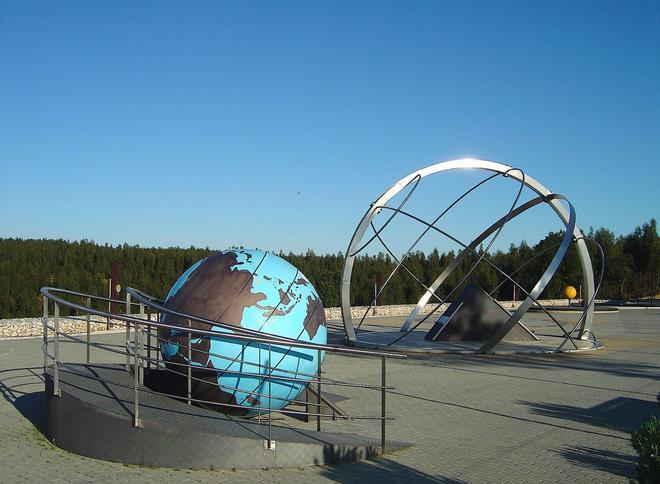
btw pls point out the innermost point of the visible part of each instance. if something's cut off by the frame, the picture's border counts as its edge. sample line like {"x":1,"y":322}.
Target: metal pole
{"x":141,"y":344}
{"x":260,"y":401}
{"x":136,"y":375}
{"x":108,"y":324}
{"x":45,"y":323}
{"x":189,"y":364}
{"x":149,"y":328}
{"x":89,"y":317}
{"x":382,"y":405}
{"x":157,"y":340}
{"x":140,"y":353}
{"x":56,"y":350}
{"x":128,"y":332}
{"x":318,"y":394}
{"x":269,"y":396}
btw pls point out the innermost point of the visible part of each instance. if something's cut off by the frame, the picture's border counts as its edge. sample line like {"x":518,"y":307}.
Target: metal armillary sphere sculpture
{"x":560,"y":205}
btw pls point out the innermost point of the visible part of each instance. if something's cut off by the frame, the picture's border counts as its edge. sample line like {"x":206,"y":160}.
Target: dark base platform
{"x":475,"y":316}
{"x":94,"y":417}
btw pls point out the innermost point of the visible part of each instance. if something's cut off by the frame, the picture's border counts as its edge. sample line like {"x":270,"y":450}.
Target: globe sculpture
{"x":250,"y":290}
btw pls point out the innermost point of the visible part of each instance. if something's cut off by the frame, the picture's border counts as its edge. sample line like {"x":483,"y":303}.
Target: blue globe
{"x":249,"y":289}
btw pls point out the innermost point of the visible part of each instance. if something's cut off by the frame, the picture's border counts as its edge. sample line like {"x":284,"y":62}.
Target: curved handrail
{"x":139,"y":357}
{"x":239,"y":333}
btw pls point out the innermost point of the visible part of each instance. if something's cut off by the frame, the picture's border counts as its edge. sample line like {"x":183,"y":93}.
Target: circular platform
{"x":381,"y":333}
{"x":93,"y":416}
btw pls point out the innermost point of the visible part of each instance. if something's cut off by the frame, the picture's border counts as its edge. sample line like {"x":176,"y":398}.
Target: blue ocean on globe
{"x":259,"y":291}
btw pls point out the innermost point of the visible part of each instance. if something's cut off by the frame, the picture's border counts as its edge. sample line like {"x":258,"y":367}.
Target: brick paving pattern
{"x":554,"y":418}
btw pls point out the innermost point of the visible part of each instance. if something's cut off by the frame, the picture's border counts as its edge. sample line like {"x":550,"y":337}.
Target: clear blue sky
{"x":197,"y":123}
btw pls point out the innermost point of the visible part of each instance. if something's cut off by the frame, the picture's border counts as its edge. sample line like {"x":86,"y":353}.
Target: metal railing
{"x":142,"y":351}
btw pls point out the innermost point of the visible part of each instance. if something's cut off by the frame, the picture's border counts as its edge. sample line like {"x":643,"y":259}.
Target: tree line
{"x":632,"y":269}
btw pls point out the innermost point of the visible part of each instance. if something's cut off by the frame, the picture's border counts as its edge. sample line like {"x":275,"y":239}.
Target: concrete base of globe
{"x":93,"y":416}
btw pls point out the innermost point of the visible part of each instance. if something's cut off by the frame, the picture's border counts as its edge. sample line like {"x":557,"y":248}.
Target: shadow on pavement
{"x":19,"y":386}
{"x":505,"y":415}
{"x":602,"y":460}
{"x":380,"y":470}
{"x":502,"y":366}
{"x":621,"y":413}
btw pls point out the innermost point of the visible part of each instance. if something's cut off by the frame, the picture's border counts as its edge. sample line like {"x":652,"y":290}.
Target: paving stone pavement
{"x":553,"y":418}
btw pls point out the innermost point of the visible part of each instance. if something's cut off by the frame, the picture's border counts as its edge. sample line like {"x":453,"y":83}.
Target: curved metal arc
{"x":525,"y":264}
{"x":399,"y":264}
{"x":497,"y":231}
{"x":463,"y":254}
{"x":369,"y":215}
{"x":591,"y":301}
{"x":382,"y":200}
{"x":530,"y":182}
{"x":416,"y":179}
{"x":470,"y":250}
{"x":542,"y":282}
{"x":414,"y":244}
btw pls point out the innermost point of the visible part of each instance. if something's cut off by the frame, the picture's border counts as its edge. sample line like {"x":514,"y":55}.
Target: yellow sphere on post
{"x":570,"y":292}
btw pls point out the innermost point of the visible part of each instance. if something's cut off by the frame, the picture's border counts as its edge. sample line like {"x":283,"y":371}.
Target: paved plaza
{"x":470,"y":418}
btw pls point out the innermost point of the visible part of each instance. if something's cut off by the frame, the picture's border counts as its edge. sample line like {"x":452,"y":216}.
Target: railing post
{"x":260,"y":396}
{"x":270,"y":374}
{"x":382,"y":404}
{"x":157,"y":340}
{"x":108,"y":323}
{"x":45,"y":323}
{"x":149,"y":329}
{"x":140,"y":343}
{"x":56,"y":352}
{"x":189,"y":363}
{"x":128,"y":333}
{"x":136,"y":376}
{"x":89,"y":317}
{"x":318,"y":395}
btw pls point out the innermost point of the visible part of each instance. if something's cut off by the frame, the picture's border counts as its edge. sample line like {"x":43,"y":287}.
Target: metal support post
{"x":89,"y":317}
{"x":382,"y":405}
{"x":128,"y":333}
{"x":271,"y":445}
{"x":149,"y":338}
{"x":45,"y":342}
{"x":318,"y":394}
{"x":141,"y":345}
{"x":136,"y":374}
{"x":108,"y":323}
{"x":260,"y":397}
{"x":56,"y":352}
{"x":158,"y":353}
{"x":189,"y":363}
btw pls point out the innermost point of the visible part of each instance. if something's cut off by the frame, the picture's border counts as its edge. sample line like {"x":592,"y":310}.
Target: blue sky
{"x":275,"y":124}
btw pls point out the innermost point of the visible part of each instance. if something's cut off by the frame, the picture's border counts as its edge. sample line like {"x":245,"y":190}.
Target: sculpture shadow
{"x":510,"y":366}
{"x":14,"y":387}
{"x":621,"y":413}
{"x":603,"y":460}
{"x":380,"y":469}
